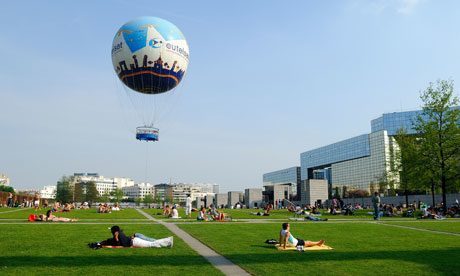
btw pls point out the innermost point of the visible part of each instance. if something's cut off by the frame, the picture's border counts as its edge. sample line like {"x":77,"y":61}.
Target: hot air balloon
{"x":150,"y":57}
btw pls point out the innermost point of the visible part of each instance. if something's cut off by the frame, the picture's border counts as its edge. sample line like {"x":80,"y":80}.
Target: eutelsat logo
{"x":155,"y":43}
{"x":117,"y":48}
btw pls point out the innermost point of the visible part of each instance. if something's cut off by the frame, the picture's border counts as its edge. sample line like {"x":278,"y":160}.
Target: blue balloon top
{"x":135,"y":31}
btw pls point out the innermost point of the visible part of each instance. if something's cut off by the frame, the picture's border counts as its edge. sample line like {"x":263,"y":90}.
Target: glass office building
{"x":285,"y":176}
{"x":393,"y":122}
{"x":362,"y":161}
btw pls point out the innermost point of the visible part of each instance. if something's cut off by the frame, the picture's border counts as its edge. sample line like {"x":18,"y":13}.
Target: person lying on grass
{"x":287,"y":238}
{"x":119,"y":239}
{"x":50,"y":217}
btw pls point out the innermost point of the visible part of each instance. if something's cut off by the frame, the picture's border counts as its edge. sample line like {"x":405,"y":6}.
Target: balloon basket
{"x":146,"y":133}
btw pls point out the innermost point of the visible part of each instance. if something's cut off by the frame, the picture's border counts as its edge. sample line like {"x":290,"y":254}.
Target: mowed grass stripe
{"x":55,"y":249}
{"x":359,"y":248}
{"x":447,"y":226}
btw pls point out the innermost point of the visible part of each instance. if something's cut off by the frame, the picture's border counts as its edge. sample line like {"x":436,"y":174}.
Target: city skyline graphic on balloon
{"x":150,"y":55}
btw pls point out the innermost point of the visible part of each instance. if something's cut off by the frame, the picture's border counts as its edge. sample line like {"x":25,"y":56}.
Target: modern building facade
{"x":139,"y":190}
{"x":234,"y":198}
{"x":290,"y":176}
{"x":314,"y":191}
{"x":104,"y":185}
{"x":163,"y":192}
{"x":48,"y":192}
{"x":276,"y":194}
{"x":221,"y":200}
{"x":363,"y":161}
{"x":177,"y":192}
{"x":253,"y":198}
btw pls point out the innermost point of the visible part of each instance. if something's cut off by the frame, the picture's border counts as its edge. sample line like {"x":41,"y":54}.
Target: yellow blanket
{"x":316,"y":247}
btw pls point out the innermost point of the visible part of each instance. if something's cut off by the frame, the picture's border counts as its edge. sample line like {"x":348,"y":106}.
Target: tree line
{"x":70,"y":191}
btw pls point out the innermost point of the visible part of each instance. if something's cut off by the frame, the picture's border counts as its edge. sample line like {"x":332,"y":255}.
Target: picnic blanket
{"x":310,"y":248}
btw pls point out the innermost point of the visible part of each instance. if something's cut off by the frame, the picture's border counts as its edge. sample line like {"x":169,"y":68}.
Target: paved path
{"x":220,"y":262}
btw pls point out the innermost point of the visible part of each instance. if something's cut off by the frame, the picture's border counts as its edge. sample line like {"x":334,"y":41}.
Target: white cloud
{"x":376,"y":7}
{"x":407,"y":6}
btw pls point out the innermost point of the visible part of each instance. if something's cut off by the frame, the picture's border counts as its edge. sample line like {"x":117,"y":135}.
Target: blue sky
{"x":266,"y":81}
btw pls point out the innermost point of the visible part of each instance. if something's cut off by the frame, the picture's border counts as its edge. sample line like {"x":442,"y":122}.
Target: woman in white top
{"x":202,"y":214}
{"x":174,"y":213}
{"x":287,"y":237}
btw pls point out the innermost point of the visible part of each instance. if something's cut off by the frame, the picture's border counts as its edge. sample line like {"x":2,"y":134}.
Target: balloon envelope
{"x":150,"y":55}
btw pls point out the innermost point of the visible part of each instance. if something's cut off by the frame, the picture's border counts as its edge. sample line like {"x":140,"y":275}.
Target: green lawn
{"x":62,"y":249}
{"x":359,"y":248}
{"x":9,"y":210}
{"x":78,"y":214}
{"x":449,"y":225}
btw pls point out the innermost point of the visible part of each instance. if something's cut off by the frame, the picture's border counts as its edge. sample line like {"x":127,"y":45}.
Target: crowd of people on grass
{"x":106,"y":208}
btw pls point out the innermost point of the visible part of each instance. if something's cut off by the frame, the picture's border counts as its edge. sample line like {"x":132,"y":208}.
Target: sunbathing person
{"x":50,"y":217}
{"x":119,"y":239}
{"x":287,"y":238}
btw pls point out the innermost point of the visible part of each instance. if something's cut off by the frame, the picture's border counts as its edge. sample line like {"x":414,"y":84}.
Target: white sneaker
{"x":171,"y":242}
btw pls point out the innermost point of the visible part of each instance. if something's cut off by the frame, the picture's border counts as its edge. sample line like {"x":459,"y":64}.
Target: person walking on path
{"x":376,"y":203}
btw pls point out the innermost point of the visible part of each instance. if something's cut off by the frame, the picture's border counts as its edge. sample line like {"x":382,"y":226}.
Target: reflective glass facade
{"x":361,"y":161}
{"x":360,"y":173}
{"x":289,"y":175}
{"x":349,"y":149}
{"x":393,"y":122}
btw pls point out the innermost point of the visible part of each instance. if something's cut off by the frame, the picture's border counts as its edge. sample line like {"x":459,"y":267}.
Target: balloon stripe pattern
{"x":150,"y":55}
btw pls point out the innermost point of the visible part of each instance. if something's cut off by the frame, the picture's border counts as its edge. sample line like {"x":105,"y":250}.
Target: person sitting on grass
{"x":174,"y":213}
{"x":84,"y":205}
{"x":119,"y":239}
{"x":202,"y":215}
{"x":287,"y":238}
{"x":216,"y":215}
{"x":116,"y":207}
{"x":166,"y":211}
{"x":50,"y":217}
{"x":56,"y":206}
{"x":66,"y":208}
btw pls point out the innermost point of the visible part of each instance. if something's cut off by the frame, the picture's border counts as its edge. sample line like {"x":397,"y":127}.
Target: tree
{"x":358,"y":193}
{"x":148,"y":199}
{"x":105,"y":197}
{"x":439,"y":131}
{"x":344,"y":191}
{"x":91,"y":192}
{"x":78,"y":193}
{"x":138,"y":201}
{"x":158,"y":198}
{"x":7,"y":189}
{"x":336,"y":192}
{"x":64,"y":190}
{"x":117,"y":195}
